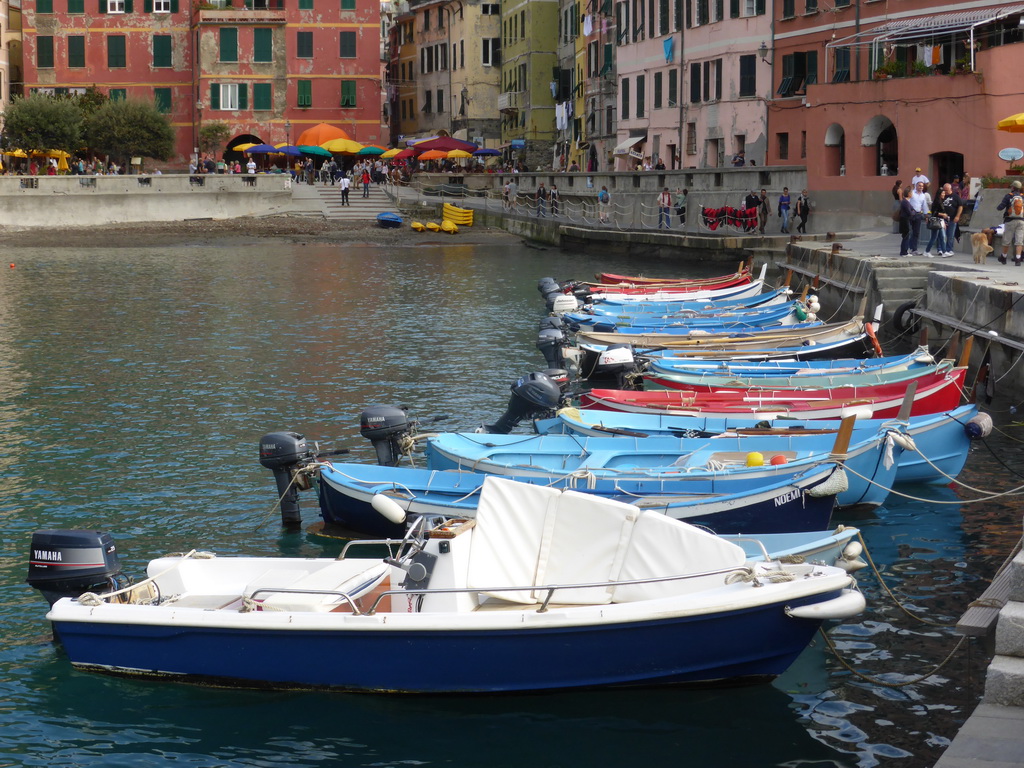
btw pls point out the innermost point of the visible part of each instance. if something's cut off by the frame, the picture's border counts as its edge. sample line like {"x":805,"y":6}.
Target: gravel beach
{"x":302,"y":229}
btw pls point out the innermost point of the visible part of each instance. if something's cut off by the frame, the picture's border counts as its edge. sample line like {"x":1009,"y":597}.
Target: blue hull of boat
{"x":678,"y":650}
{"x":757,"y":505}
{"x":389,"y":220}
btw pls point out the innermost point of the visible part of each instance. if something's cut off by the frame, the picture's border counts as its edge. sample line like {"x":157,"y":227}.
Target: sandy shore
{"x":305,"y":229}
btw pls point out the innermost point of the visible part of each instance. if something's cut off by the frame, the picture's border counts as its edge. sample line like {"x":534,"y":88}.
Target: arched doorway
{"x":880,"y":134}
{"x":835,"y":151}
{"x":946,"y":165}
{"x":231,"y":155}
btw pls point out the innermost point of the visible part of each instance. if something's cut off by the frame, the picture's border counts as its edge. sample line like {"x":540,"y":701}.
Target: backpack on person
{"x":602,"y":196}
{"x":1015,"y":209}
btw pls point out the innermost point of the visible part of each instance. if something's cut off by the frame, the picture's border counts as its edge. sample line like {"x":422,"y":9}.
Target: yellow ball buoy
{"x":755,"y":459}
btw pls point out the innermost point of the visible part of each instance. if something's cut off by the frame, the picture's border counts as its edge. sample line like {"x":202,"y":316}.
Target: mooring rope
{"x":885,"y":683}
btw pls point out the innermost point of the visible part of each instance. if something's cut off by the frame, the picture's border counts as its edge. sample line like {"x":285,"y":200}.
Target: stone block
{"x":1010,"y":630}
{"x":1004,"y":684}
{"x":1015,"y":573}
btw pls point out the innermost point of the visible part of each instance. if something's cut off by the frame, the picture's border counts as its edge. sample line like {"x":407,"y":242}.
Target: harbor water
{"x":135,"y":384}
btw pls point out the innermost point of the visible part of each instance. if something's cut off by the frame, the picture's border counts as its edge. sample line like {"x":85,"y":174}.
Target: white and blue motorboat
{"x":935,"y":448}
{"x":766,"y":299}
{"x":872,"y":461}
{"x":800,"y":500}
{"x":543,"y":590}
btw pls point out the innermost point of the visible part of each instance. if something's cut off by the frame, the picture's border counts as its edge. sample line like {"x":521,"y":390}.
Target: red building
{"x":258,"y":66}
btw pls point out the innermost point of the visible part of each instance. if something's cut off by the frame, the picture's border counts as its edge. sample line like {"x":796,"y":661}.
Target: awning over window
{"x":924,"y":27}
{"x":623,"y":147}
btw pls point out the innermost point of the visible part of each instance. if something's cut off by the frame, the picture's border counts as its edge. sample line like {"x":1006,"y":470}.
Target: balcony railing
{"x":239,"y":12}
{"x":511,"y":101}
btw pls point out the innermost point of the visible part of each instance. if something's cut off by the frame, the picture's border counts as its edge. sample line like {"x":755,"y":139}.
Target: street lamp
{"x":763,"y":53}
{"x":199,"y":126}
{"x":288,"y":131}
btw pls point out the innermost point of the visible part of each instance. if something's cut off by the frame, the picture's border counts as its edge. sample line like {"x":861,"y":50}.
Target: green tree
{"x":129,"y":128}
{"x":213,"y":136}
{"x":91,"y":100}
{"x":43,"y":122}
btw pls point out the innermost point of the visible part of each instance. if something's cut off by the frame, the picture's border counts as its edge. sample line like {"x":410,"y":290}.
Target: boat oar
{"x":908,"y":403}
{"x":954,"y":345}
{"x":842,"y":444}
{"x":923,"y":341}
{"x":617,"y":431}
{"x":965,"y":355}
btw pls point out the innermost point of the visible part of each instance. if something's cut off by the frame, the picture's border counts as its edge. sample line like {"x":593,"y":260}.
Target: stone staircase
{"x":896,"y":285}
{"x":328,"y":199}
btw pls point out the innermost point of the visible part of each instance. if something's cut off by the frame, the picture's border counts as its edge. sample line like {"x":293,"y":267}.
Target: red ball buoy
{"x":778,"y":459}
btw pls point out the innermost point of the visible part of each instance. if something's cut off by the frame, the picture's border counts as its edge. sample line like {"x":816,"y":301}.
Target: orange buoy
{"x":778,"y":459}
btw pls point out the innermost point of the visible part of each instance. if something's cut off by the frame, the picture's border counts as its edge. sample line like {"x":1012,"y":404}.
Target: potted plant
{"x":920,"y":68}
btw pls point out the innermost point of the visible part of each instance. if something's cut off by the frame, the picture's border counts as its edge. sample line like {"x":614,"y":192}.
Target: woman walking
{"x":906,"y":215}
{"x":803,"y":210}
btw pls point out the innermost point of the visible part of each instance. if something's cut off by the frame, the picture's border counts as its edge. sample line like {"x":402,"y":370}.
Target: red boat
{"x":682,"y":286}
{"x":936,"y":395}
{"x":737,"y":278}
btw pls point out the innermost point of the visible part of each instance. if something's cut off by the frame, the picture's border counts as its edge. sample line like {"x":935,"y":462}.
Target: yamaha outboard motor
{"x":63,"y":563}
{"x":384,"y":426}
{"x":532,"y":395}
{"x":283,"y":453}
{"x":615,"y":364}
{"x":550,"y":343}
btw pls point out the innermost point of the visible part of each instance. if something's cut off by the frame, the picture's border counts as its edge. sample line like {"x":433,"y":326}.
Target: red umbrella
{"x":446,"y":144}
{"x":405,"y":153}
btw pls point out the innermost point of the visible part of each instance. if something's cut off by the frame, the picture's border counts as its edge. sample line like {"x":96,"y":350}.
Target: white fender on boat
{"x":388,"y":507}
{"x":849,"y":603}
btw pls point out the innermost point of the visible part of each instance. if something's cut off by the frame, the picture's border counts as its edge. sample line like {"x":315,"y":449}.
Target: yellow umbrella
{"x":1012,"y":124}
{"x":16,"y":153}
{"x":390,"y":153}
{"x":243,"y":147}
{"x":342,"y":146}
{"x":456,"y":154}
{"x":58,"y":153}
{"x":62,"y":162}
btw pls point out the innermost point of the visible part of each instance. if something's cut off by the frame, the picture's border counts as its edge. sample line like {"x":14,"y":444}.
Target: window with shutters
{"x":164,"y":6}
{"x":76,"y":51}
{"x":228,"y":44}
{"x":658,"y":78}
{"x":811,"y":6}
{"x":76,"y":7}
{"x":663,"y":17}
{"x":348,"y":5}
{"x":695,"y":83}
{"x":641,"y":95}
{"x":263,"y":45}
{"x":782,"y":139}
{"x":162,"y":100}
{"x":304,"y":44}
{"x":691,"y":138}
{"x":348,"y":44}
{"x":116,"y":52}
{"x":305,"y":93}
{"x":673,"y":87}
{"x":622,"y":23}
{"x":348,"y":93}
{"x":748,"y":75}
{"x":44,"y":6}
{"x":440,"y":100}
{"x":811,"y":67}
{"x":262,"y":97}
{"x":114,"y":6}
{"x":44,"y":52}
{"x":161,"y":50}
{"x":624,"y":109}
{"x":841,"y":73}
{"x":788,"y":9}
{"x":491,"y":52}
{"x":117,"y":94}
{"x":428,"y":96}
{"x":305,"y":5}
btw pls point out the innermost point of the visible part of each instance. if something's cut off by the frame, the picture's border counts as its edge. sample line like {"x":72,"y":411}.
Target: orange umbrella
{"x":320,"y":134}
{"x":433,"y":154}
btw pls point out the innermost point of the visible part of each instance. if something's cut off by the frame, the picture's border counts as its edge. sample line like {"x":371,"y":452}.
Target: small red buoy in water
{"x":12,"y":265}
{"x":778,"y":459}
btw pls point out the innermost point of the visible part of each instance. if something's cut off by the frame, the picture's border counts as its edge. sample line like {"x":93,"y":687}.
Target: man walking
{"x":1013,"y":229}
{"x":665,"y":209}
{"x":345,"y":183}
{"x":542,"y":200}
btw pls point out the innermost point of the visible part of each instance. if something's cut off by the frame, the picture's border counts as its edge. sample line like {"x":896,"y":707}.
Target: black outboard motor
{"x":384,"y":426}
{"x":546,"y":285}
{"x":64,"y":563}
{"x":560,"y":376}
{"x":532,"y":395}
{"x":283,"y":453}
{"x":550,"y":343}
{"x":616,"y":364}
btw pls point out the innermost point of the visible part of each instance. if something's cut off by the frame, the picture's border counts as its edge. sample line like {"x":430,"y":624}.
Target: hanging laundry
{"x":669,"y":49}
{"x":588,"y":25}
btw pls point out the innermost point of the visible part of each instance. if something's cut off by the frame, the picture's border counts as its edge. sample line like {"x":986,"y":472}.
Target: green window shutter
{"x":348,"y":93}
{"x":162,"y":99}
{"x":76,"y":51}
{"x":147,"y":6}
{"x":174,"y":6}
{"x":228,"y":44}
{"x":304,"y":44}
{"x":44,"y":6}
{"x":76,"y":6}
{"x":116,"y":52}
{"x":348,"y":44}
{"x":102,"y":6}
{"x":263,"y":44}
{"x":44,"y":52}
{"x":305,"y":5}
{"x":128,"y":7}
{"x":161,"y":50}
{"x":118,"y":94}
{"x":348,"y":5}
{"x":262,"y":97}
{"x":305,"y":91}
{"x":214,"y":96}
{"x":243,"y":96}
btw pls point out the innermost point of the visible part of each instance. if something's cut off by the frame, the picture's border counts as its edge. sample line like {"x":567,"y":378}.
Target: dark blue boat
{"x":389,"y":220}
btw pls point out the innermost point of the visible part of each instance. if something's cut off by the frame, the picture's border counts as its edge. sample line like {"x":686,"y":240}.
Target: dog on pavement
{"x":980,"y":246}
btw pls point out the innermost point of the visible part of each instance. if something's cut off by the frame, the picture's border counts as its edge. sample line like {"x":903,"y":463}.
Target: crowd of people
{"x":915,"y":207}
{"x":787,"y":209}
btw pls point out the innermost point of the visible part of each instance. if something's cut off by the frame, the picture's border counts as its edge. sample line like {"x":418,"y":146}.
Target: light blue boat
{"x":940,"y":442}
{"x":872,"y":461}
{"x":782,"y":314}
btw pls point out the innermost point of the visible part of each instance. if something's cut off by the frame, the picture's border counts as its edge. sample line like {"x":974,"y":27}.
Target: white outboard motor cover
{"x":564,"y":303}
{"x":616,"y":356}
